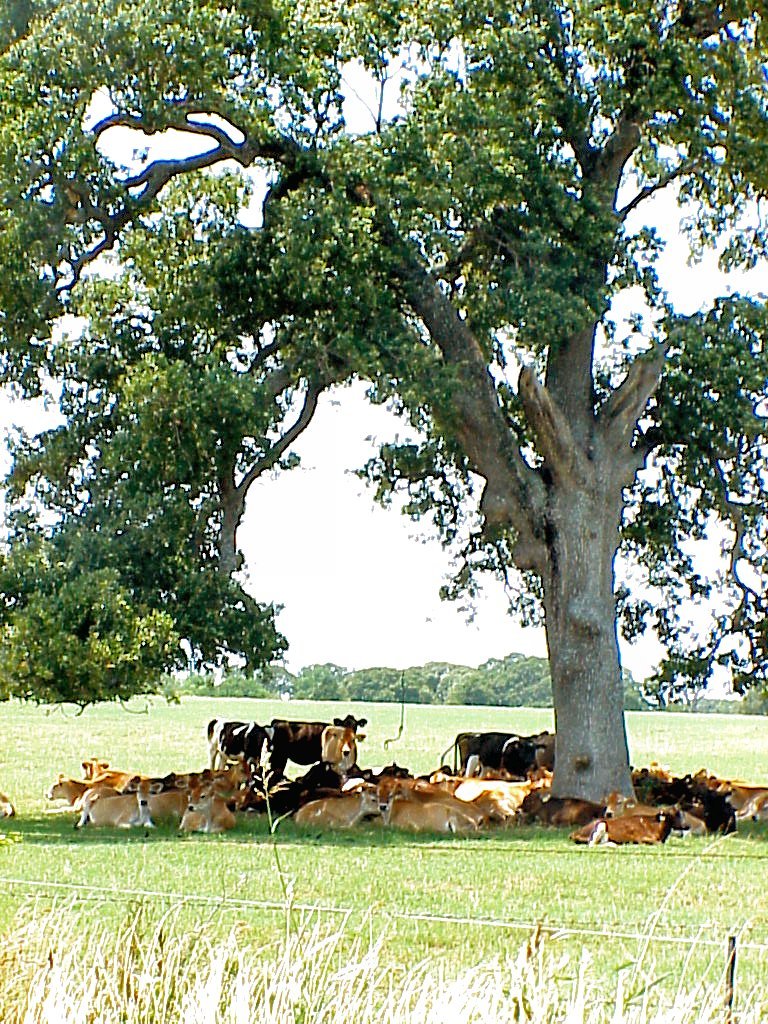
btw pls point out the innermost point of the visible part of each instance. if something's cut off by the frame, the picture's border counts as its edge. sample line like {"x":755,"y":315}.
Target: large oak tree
{"x":482,"y":251}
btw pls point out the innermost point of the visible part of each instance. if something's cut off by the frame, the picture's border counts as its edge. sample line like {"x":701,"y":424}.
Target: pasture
{"x":456,"y":899}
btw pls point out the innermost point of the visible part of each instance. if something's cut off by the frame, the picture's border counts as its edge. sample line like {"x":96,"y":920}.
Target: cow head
{"x":339,"y":746}
{"x":350,"y":722}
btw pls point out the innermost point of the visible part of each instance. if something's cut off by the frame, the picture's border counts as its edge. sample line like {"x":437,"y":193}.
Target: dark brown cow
{"x":301,"y":742}
{"x":635,"y":828}
{"x":559,"y":811}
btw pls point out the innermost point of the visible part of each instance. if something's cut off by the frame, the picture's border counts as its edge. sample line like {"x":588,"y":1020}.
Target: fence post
{"x":730,"y":975}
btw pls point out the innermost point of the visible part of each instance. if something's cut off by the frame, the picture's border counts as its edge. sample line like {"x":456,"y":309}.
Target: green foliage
{"x":486,"y":217}
{"x":77,"y":635}
{"x":514,"y":681}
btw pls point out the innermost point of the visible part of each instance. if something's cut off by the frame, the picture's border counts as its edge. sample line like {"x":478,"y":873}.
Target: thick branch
{"x":619,"y":416}
{"x":233,"y":495}
{"x":552,"y":431}
{"x":650,"y":190}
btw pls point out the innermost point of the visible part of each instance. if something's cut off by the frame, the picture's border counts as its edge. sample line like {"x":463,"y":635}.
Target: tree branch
{"x":278,"y":449}
{"x":152,"y":179}
{"x":649,"y":190}
{"x":619,"y":415}
{"x":552,"y":431}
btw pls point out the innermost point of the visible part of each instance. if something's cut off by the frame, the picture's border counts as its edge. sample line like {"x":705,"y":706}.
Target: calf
{"x":168,"y":805}
{"x":122,"y":811}
{"x":236,"y":741}
{"x":559,"y":811}
{"x":344,"y":811}
{"x":207,"y":812}
{"x":7,"y":810}
{"x":73,"y":791}
{"x":424,"y":793}
{"x":301,"y":742}
{"x":426,"y":816}
{"x":637,"y":829}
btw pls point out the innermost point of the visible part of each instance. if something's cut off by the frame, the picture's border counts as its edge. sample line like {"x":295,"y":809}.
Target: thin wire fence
{"x":85,"y":892}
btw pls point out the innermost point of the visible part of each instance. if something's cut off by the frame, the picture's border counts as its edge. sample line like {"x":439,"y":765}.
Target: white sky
{"x":359,"y":584}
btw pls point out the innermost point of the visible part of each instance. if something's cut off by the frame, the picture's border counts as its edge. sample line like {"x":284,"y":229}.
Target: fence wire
{"x":122,"y":895}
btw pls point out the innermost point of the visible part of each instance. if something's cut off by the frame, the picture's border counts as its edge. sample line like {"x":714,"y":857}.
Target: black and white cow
{"x":237,"y":741}
{"x":495,"y":751}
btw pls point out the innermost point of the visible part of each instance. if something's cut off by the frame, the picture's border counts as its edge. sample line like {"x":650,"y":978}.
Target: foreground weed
{"x":56,"y":968}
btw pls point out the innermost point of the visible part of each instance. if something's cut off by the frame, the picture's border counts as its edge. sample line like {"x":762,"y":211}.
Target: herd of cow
{"x":496,"y":779}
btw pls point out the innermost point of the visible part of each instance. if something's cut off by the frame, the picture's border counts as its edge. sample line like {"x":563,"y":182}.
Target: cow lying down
{"x":642,"y":829}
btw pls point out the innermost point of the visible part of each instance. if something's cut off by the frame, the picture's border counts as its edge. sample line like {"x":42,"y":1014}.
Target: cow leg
{"x":473,"y":763}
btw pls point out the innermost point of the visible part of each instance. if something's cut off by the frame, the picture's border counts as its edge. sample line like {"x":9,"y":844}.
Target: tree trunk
{"x":591,"y":752}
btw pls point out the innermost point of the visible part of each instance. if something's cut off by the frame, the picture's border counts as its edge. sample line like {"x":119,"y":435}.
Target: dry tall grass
{"x":56,"y":968}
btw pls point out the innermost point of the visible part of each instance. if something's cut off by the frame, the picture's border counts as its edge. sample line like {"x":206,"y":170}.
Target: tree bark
{"x":591,"y":751}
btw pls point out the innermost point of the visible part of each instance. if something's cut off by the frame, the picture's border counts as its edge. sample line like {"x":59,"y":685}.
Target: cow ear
{"x":338,"y":721}
{"x":362,"y":722}
{"x":360,"y":737}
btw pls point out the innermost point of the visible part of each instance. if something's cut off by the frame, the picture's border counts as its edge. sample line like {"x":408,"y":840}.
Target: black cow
{"x":300,"y":742}
{"x":286,"y":796}
{"x":497,"y":751}
{"x":236,"y":741}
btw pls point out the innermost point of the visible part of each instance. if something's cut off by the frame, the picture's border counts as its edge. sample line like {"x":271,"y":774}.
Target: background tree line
{"x":513,"y":681}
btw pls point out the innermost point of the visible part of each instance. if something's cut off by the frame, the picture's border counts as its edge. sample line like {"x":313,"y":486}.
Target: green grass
{"x":465,"y":898}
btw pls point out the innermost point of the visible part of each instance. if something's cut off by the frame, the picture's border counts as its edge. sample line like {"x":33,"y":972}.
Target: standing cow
{"x":478,"y":752}
{"x":236,"y":741}
{"x":302,"y":742}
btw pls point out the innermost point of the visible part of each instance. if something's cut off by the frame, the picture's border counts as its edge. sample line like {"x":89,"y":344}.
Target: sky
{"x":359,"y":584}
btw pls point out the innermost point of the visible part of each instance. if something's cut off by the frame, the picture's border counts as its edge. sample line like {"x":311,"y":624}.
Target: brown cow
{"x":634,"y":828}
{"x":343,"y":811}
{"x":7,"y":810}
{"x":301,"y":742}
{"x":559,"y":811}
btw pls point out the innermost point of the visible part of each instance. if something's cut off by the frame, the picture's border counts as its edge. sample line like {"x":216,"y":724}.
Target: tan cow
{"x":207,"y":812}
{"x":122,"y":811}
{"x":498,"y":800}
{"x":72,"y":791}
{"x":420,"y":791}
{"x":343,"y":811}
{"x":428,"y":815}
{"x":7,"y":810}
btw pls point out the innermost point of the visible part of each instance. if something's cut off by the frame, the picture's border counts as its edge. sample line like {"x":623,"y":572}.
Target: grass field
{"x":459,"y":898}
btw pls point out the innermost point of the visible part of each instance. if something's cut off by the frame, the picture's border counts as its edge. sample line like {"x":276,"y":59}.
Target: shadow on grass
{"x":58,"y":830}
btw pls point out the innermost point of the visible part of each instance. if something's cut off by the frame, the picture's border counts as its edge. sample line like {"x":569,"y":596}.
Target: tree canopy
{"x":484,"y":251}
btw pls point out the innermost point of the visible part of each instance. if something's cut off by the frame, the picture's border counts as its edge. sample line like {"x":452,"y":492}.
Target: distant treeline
{"x":514,"y":681}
